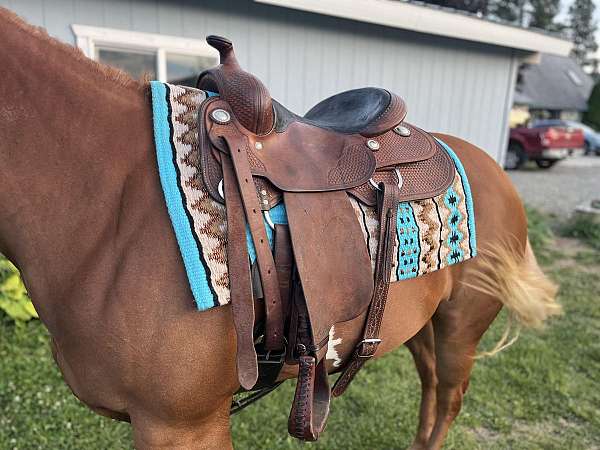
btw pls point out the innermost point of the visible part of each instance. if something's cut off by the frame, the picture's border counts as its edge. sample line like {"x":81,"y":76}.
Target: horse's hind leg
{"x":422,"y":348}
{"x":458,"y":326}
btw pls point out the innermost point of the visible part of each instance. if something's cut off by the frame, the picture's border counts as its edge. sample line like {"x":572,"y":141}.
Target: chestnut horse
{"x":82,"y":215}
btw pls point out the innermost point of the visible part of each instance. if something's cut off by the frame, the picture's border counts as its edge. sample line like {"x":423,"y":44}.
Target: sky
{"x":565,"y":8}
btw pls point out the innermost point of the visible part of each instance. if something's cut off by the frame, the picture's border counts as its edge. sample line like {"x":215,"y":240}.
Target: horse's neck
{"x":69,"y":140}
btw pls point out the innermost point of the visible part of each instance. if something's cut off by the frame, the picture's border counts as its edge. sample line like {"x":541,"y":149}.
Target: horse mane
{"x":109,"y":73}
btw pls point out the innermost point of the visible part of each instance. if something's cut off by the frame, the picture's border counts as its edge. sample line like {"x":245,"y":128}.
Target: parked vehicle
{"x":546,"y":145}
{"x":592,"y":137}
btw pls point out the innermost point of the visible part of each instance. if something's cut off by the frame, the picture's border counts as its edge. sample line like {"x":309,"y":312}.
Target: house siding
{"x":450,"y":86}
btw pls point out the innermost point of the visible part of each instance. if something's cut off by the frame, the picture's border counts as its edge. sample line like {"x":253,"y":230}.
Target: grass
{"x":542,"y":393}
{"x":584,"y":227}
{"x":541,"y":235}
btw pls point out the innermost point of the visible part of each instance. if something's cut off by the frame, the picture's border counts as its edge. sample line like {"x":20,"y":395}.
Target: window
{"x":136,"y":63}
{"x":165,"y":58}
{"x":182,"y":67}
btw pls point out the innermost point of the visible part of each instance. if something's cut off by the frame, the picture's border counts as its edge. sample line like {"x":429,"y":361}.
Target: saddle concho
{"x":270,"y":205}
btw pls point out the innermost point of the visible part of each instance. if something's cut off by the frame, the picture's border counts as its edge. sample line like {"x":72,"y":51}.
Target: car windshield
{"x":548,"y":123}
{"x":581,"y":126}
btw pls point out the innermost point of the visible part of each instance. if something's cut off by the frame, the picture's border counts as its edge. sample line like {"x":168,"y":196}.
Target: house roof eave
{"x":433,"y":20}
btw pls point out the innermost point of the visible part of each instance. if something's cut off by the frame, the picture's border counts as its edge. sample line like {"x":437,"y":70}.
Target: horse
{"x":82,"y":215}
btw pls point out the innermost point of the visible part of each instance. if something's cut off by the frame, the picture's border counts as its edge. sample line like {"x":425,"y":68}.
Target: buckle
{"x":271,"y":357}
{"x":359,"y":347}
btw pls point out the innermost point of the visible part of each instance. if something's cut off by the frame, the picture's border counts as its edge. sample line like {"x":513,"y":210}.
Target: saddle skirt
{"x":432,"y":231}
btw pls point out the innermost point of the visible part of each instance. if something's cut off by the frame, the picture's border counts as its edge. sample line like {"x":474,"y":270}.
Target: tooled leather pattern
{"x":420,"y":179}
{"x":211,"y":171}
{"x":383,"y":267}
{"x":350,"y":165}
{"x":299,"y":424}
{"x":273,"y":195}
{"x":416,"y":147}
{"x":255,"y":163}
{"x":249,"y":99}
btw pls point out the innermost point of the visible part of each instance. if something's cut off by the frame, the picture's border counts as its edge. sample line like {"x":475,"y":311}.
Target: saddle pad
{"x":431,"y":233}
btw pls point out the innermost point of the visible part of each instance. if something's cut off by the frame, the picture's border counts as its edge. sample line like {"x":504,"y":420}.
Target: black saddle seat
{"x":367,"y":111}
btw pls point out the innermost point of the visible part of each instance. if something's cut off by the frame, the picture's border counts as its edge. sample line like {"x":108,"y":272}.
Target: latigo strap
{"x":239,"y":185}
{"x":238,"y":148}
{"x":240,"y":285}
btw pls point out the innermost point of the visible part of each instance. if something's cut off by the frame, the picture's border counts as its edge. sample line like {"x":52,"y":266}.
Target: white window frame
{"x":87,"y":38}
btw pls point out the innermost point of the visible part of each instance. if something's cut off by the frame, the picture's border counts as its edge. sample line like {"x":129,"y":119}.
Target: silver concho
{"x":220,"y":116}
{"x":402,"y":130}
{"x":373,"y":144}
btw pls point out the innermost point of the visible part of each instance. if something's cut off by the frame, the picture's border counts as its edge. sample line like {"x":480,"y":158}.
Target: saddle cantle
{"x":254,"y":154}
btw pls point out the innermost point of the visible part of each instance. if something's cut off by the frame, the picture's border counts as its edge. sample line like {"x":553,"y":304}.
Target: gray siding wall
{"x":450,"y":86}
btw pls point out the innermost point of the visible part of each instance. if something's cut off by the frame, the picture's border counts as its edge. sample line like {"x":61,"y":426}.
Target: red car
{"x":546,"y":145}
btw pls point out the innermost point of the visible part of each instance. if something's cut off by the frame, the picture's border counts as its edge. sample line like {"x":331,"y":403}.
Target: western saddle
{"x":254,"y":154}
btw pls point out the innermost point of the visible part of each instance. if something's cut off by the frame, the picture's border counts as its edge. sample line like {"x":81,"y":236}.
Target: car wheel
{"x":545,"y":163}
{"x":515,"y":157}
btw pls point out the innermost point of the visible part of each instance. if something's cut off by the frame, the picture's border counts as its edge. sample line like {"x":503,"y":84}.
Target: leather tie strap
{"x":310,"y":408}
{"x":387,"y":202}
{"x":238,"y":149}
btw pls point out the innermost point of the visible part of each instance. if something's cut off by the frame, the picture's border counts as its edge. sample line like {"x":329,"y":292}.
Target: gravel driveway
{"x":561,"y":188}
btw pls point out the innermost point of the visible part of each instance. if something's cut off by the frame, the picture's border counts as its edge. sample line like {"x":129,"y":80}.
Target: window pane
{"x":133,"y":62}
{"x":184,"y":69}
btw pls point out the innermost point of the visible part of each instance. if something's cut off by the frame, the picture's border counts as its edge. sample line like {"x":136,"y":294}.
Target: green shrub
{"x":13,"y":295}
{"x":592,"y":115}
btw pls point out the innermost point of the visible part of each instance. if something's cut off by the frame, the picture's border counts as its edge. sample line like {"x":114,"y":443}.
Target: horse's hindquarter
{"x":499,"y":212}
{"x":409,"y":306}
{"x":411,"y":303}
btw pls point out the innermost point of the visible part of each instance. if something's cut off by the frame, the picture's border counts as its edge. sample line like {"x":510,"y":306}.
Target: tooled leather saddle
{"x":255,"y":154}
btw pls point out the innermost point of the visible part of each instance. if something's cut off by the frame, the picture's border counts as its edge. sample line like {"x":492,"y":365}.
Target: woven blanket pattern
{"x":431,"y":234}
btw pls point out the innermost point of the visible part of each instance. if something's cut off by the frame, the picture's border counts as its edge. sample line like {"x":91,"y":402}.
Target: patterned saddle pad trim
{"x":431,"y":234}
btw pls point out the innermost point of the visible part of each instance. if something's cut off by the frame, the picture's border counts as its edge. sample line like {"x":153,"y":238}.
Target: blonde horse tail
{"x":518,"y":282}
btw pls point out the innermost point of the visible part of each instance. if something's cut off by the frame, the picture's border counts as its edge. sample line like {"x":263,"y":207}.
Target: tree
{"x":581,"y":29}
{"x":592,"y":115}
{"x":532,"y":13}
{"x":472,"y":6}
{"x":543,"y":13}
{"x":509,"y":10}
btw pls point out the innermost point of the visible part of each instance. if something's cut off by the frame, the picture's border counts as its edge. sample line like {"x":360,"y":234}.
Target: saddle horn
{"x":247,"y":95}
